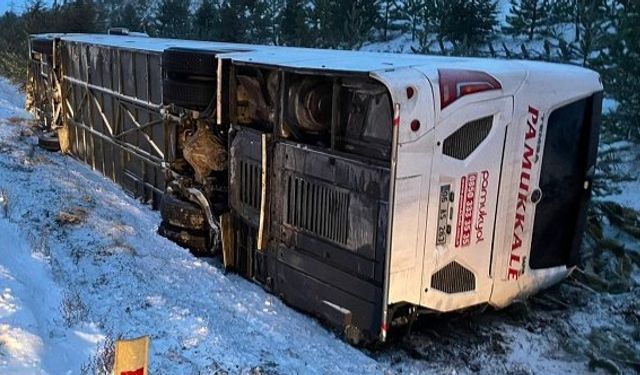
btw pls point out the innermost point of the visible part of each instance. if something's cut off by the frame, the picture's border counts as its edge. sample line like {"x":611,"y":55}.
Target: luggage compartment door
{"x":329,"y":217}
{"x":463,"y":196}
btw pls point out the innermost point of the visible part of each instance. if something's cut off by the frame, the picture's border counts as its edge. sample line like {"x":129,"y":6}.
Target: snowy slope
{"x":128,"y":281}
{"x":65,"y":287}
{"x":33,"y":336}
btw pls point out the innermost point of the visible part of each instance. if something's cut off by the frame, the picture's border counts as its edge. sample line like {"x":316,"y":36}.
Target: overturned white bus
{"x":363,"y":188}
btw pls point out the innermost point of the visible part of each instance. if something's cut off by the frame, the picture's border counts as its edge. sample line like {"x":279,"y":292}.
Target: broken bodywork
{"x":362,"y":188}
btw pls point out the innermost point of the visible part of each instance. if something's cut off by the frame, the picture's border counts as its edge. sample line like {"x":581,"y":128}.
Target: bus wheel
{"x":196,"y":95}
{"x":49,"y":141}
{"x":182,"y":214}
{"x":199,"y":243}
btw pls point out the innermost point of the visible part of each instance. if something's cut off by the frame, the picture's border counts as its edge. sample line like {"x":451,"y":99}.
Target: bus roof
{"x":512,"y":73}
{"x":302,"y":58}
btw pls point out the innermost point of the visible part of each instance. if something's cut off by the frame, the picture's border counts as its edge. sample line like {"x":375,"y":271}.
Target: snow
{"x":503,"y":10}
{"x":33,"y":337}
{"x":400,"y":44}
{"x":129,"y":281}
{"x":64,"y":288}
{"x":628,"y":191}
{"x":609,"y":105}
{"x":629,"y":195}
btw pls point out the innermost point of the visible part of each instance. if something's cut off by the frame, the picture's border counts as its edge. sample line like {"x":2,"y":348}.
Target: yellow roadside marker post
{"x":132,"y":356}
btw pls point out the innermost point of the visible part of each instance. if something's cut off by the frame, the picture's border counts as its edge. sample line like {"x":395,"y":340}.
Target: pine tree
{"x":260,"y":23}
{"x":621,"y":70}
{"x":13,"y":48}
{"x":294,"y":28}
{"x":36,"y":17}
{"x":135,"y":15}
{"x":273,"y":13}
{"x":77,"y":16}
{"x":343,"y":23}
{"x":174,"y":18}
{"x":325,"y":22}
{"x":360,"y":19}
{"x":411,"y":12}
{"x":527,"y":17}
{"x":231,"y":25}
{"x":561,"y":11}
{"x":465,"y":23}
{"x":147,"y":11}
{"x":110,"y":11}
{"x":126,"y":16}
{"x":595,"y":21}
{"x":15,"y":29}
{"x":205,"y":19}
{"x":389,"y":13}
{"x":428,"y":17}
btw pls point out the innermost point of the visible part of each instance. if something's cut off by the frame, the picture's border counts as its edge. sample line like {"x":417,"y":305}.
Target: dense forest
{"x":600,"y":34}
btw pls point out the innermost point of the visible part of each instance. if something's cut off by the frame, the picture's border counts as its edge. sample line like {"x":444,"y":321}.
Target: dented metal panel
{"x":244,"y":174}
{"x":39,"y":89}
{"x":330,"y":219}
{"x":112,"y":100}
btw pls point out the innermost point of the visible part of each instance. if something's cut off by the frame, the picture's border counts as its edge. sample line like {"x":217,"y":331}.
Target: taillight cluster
{"x":456,"y":83}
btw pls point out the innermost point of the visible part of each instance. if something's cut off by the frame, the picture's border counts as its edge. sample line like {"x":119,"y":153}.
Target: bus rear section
{"x":490,"y":204}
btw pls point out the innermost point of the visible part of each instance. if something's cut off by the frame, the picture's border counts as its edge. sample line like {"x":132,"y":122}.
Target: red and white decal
{"x":466,"y":208}
{"x":483,"y":198}
{"x":463,"y":187}
{"x":515,"y":266}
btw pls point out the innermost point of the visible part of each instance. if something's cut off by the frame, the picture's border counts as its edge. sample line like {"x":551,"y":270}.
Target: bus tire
{"x":195,"y":95}
{"x":42,"y":45}
{"x":49,"y":141}
{"x":189,"y":62}
{"x":182,"y":214}
{"x":199,"y":243}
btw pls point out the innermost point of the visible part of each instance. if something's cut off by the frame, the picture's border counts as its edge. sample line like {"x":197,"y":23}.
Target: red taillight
{"x":455,"y":83}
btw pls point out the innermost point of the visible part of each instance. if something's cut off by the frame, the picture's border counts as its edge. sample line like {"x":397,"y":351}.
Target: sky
{"x":17,"y":6}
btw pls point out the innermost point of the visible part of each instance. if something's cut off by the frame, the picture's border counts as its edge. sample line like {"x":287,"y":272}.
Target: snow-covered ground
{"x":33,"y":335}
{"x":623,"y":162}
{"x":67,"y":286}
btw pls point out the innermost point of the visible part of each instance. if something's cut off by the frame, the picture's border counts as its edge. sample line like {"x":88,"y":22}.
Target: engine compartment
{"x":294,"y":166}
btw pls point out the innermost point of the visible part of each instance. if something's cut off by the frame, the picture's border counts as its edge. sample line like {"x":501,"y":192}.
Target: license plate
{"x":443,"y":215}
